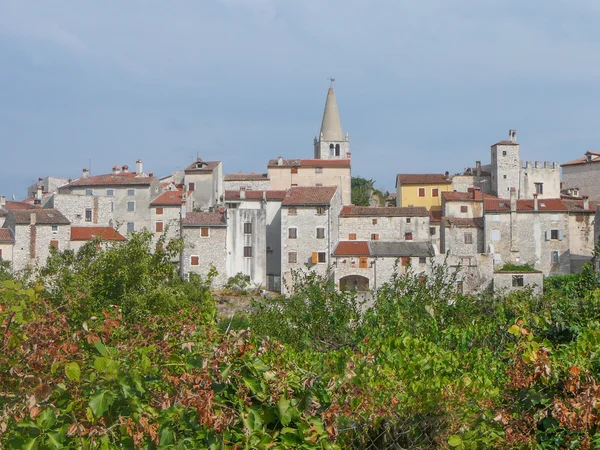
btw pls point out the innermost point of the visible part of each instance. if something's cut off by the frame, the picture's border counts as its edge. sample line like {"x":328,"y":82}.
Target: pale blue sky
{"x":422,"y":86}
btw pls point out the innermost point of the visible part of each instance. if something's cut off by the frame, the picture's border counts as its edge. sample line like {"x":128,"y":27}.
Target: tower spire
{"x":331,"y":126}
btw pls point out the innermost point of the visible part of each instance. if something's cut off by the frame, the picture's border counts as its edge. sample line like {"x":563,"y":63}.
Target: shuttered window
{"x":364,"y":262}
{"x":159,"y":227}
{"x":195,"y":260}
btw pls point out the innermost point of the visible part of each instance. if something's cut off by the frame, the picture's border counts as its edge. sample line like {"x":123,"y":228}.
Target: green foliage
{"x":361,"y":191}
{"x":510,"y":267}
{"x":238,"y":284}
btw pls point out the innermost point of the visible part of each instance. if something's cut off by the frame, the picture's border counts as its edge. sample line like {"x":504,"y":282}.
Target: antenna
{"x":90,"y":166}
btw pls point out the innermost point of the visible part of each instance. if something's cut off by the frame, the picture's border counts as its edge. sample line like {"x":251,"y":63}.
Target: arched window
{"x":330,"y":149}
{"x":337,"y":149}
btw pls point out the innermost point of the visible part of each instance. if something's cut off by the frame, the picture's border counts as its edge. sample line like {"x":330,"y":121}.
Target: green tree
{"x":361,"y":191}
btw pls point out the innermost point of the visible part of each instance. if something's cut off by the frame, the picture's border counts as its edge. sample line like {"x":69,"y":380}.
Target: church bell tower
{"x":331,"y":143}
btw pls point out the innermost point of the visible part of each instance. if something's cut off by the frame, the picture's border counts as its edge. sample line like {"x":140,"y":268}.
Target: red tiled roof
{"x":44,"y":216}
{"x":91,"y":233}
{"x":111,"y":179}
{"x":584,"y":159}
{"x":491,"y":203}
{"x":6,"y":236}
{"x":246,"y":177}
{"x":423,"y":178}
{"x":169,"y":198}
{"x":352,"y":248}
{"x":384,"y":211}
{"x":204,"y":219}
{"x":576,"y":205}
{"x":14,"y":206}
{"x":460,"y":222}
{"x":339,"y":163}
{"x":200,"y":166}
{"x":255,"y":195}
{"x":457,"y":196}
{"x":435,"y":216}
{"x":309,"y":195}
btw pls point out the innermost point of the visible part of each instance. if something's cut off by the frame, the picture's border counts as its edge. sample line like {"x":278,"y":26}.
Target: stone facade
{"x":583,"y":174}
{"x":505,"y":282}
{"x":48,"y":185}
{"x":204,"y":184}
{"x":83,"y":209}
{"x":382,"y":224}
{"x":251,"y":182}
{"x":209,"y":250}
{"x":247,"y":244}
{"x":541,"y":178}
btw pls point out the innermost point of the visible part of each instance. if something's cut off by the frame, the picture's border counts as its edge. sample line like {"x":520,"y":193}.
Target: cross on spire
{"x":331,"y":80}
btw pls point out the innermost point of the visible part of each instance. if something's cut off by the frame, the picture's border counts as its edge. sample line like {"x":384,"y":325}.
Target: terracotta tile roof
{"x":14,"y":206}
{"x":584,"y":159}
{"x":255,"y":195}
{"x":544,"y":204}
{"x":169,"y":198}
{"x":111,"y":179}
{"x":423,"y":178}
{"x":459,"y":222}
{"x":402,"y":211}
{"x":200,"y":166}
{"x":91,"y":233}
{"x":204,"y":219}
{"x":457,"y":196}
{"x":309,"y":195}
{"x":576,"y":205}
{"x":246,"y":177}
{"x":339,"y":163}
{"x":6,"y":236}
{"x":505,"y":143}
{"x":44,"y":216}
{"x":352,"y":248}
{"x":435,"y":216}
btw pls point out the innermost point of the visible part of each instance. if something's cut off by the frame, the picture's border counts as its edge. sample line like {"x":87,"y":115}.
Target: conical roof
{"x":331,"y":126}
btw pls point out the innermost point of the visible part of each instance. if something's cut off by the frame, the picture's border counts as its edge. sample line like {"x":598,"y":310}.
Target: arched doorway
{"x":354,"y":283}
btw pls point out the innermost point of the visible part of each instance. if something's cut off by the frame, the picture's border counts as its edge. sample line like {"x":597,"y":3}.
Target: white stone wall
{"x":48,"y":184}
{"x":208,"y":188}
{"x":249,"y":185}
{"x":389,"y":228}
{"x":505,"y":169}
{"x":323,"y":149}
{"x":453,"y":241}
{"x":453,"y":209}
{"x":32,"y":244}
{"x":462,"y":183}
{"x":211,"y":250}
{"x":583,"y":177}
{"x":256,"y":265}
{"x":547,"y":173}
{"x":170,"y":219}
{"x":7,"y":252}
{"x":73,"y":207}
{"x":282,"y":178}
{"x":530,"y":244}
{"x":503,"y":282}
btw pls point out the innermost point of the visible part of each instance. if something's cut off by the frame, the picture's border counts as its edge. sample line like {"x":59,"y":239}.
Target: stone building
{"x":331,"y":143}
{"x":583,"y":174}
{"x":35,"y":231}
{"x":582,"y":225}
{"x":165,"y":215}
{"x":309,"y":231}
{"x":394,"y":224}
{"x":205,"y":245}
{"x":82,"y":209}
{"x":49,"y":185}
{"x":461,"y":232}
{"x":130,"y":194}
{"x":204,"y":184}
{"x":7,"y":243}
{"x":81,"y":235}
{"x":422,"y":189}
{"x":246,"y":182}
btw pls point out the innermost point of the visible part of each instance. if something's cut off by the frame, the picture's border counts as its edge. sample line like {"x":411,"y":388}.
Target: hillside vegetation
{"x":108,"y":348}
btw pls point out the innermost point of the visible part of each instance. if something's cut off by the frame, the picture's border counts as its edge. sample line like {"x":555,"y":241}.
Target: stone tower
{"x":506,"y":164}
{"x":331,"y":143}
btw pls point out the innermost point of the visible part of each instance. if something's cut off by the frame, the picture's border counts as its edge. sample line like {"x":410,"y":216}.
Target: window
{"x":337,"y":149}
{"x":247,"y":252}
{"x":204,"y":232}
{"x":464,"y":209}
{"x":374,"y":221}
{"x":422,"y":260}
{"x":503,"y":152}
{"x":54,"y":229}
{"x":159,"y":227}
{"x":318,"y":170}
{"x":248,"y":228}
{"x":554,"y":257}
{"x":554,"y":235}
{"x":231,"y":205}
{"x":294,"y":170}
{"x":408,"y":220}
{"x":130,"y":227}
{"x":320,"y":233}
{"x":294,"y":184}
{"x":495,"y":235}
{"x":331,"y":147}
{"x":110,"y":192}
{"x":322,"y":257}
{"x":495,"y":218}
{"x":374,"y":236}
{"x":432,"y":231}
{"x":292,"y":211}
{"x":130,"y":206}
{"x":504,"y":176}
{"x":194,"y":260}
{"x":191,"y":187}
{"x":130,"y":192}
{"x":408,"y":236}
{"x":465,"y":261}
{"x":468,"y":238}
{"x":352,"y":236}
{"x":112,"y":206}
{"x":421,"y":192}
{"x":88,"y":214}
{"x":405,"y":261}
{"x":159,"y":211}
{"x":293,"y":233}
{"x":89,"y":192}
{"x":364,"y":262}
{"x":539,"y":188}
{"x":435,"y":192}
{"x":517,"y":281}
{"x":321,"y":210}
{"x":292,"y":257}
{"x":54,"y":244}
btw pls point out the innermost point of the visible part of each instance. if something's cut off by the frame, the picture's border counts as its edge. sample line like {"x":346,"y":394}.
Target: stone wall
{"x":583,"y":177}
{"x":255,"y":265}
{"x":211,"y":251}
{"x":74,"y":206}
{"x":389,"y":228}
{"x":32,"y":243}
{"x":170,"y":219}
{"x":462,"y":183}
{"x":547,"y":173}
{"x":249,"y":185}
{"x":506,"y":282}
{"x":453,"y":241}
{"x":505,"y":169}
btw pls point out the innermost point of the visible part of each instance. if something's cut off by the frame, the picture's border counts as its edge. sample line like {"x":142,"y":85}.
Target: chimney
{"x":478,"y":168}
{"x":2,"y":200}
{"x":513,"y":199}
{"x":512,"y":135}
{"x":586,"y":203}
{"x":125,"y":168}
{"x":477,"y":193}
{"x":38,"y":196}
{"x":32,"y":218}
{"x":183,"y":207}
{"x":535,"y":202}
{"x":116,"y":170}
{"x":40,"y":179}
{"x":85,"y":173}
{"x":151,"y":174}
{"x":280,"y":161}
{"x":447,"y":174}
{"x":139,"y":168}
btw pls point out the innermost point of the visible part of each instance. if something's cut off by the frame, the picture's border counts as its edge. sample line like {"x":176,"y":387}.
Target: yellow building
{"x":422,"y":189}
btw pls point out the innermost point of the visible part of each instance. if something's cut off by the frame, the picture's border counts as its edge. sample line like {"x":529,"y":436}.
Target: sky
{"x":422,"y":86}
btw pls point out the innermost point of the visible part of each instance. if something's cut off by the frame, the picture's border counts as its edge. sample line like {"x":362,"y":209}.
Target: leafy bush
{"x":510,"y":267}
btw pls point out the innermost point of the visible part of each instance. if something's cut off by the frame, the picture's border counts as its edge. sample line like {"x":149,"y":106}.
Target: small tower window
{"x":331,"y":149}
{"x":337,"y":149}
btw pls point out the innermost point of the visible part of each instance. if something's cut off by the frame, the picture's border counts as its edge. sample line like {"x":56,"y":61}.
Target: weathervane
{"x":331,"y":80}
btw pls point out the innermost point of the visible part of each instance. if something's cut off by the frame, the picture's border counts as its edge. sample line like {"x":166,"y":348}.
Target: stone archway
{"x":354,"y":283}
